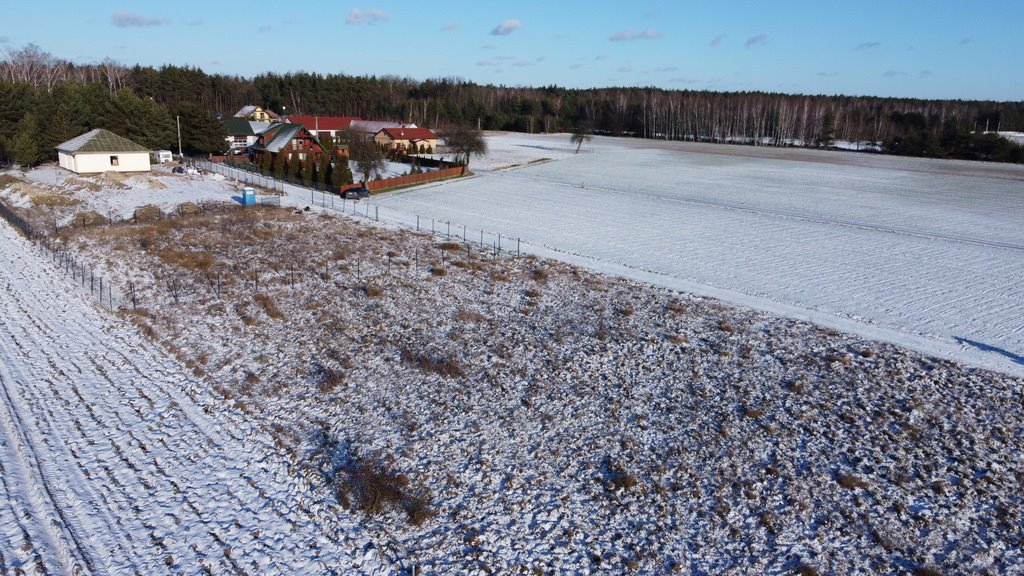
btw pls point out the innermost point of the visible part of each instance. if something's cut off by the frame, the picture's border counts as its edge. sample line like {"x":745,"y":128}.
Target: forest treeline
{"x":45,"y":101}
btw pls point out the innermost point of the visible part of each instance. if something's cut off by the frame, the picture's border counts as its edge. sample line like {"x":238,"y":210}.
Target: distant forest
{"x":45,"y":101}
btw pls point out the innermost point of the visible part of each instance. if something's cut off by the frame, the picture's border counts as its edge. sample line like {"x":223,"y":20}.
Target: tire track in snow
{"x":61,"y":545}
{"x":137,"y":471}
{"x":789,"y":214}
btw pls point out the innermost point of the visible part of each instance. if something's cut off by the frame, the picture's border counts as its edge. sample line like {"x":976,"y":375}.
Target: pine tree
{"x":341,"y":174}
{"x":294,"y":167}
{"x":25,"y":146}
{"x":307,"y":171}
{"x":280,"y":165}
{"x":322,"y":171}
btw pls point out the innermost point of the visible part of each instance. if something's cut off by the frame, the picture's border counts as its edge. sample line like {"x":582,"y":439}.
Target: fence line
{"x":18,"y":222}
{"x":100,"y":288}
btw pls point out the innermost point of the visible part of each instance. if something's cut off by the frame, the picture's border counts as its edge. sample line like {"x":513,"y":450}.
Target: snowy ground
{"x":553,"y":420}
{"x":924,"y":253}
{"x":111,"y":466}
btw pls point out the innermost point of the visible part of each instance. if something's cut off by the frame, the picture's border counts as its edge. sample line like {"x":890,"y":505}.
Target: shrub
{"x":431,"y":363}
{"x":373,"y":291}
{"x":368,"y":485}
{"x":268,"y":305}
{"x":852,"y":481}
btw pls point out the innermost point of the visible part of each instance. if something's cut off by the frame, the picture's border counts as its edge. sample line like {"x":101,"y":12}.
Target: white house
{"x":102,"y":151}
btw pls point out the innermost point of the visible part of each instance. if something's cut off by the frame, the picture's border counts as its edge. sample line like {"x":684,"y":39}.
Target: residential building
{"x":407,"y":140}
{"x":287,"y":139}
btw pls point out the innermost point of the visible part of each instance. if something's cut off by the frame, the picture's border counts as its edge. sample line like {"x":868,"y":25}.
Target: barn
{"x":102,"y":151}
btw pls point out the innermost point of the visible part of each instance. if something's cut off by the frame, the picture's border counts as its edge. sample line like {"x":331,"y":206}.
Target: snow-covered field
{"x":928,"y":254}
{"x":536,"y":417}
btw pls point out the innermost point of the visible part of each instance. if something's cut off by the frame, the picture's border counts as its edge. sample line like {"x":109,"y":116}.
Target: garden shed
{"x":101,"y":150}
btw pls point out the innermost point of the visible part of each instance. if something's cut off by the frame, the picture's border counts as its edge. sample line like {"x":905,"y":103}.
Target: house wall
{"x":66,"y":161}
{"x":92,"y":163}
{"x":384,"y":140}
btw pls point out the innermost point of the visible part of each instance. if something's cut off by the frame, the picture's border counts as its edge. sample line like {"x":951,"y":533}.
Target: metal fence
{"x":98,"y":287}
{"x":17,"y":221}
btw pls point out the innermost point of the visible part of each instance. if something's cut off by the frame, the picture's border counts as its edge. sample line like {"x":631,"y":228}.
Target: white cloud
{"x":449,"y":26}
{"x":507,"y":27}
{"x":367,"y":16}
{"x":131,"y":20}
{"x":867,"y":45}
{"x":630,"y":34}
{"x":756,"y":41}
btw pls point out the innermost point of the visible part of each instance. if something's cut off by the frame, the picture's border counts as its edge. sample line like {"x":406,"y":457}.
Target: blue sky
{"x":903,"y":48}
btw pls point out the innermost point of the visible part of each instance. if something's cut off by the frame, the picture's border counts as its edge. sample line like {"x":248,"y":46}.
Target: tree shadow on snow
{"x":986,"y":348}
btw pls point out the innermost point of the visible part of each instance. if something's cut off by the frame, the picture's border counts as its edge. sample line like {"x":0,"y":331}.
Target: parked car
{"x":178,"y":170}
{"x":357,"y":193}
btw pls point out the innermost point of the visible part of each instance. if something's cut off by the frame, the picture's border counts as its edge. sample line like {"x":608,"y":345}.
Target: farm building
{"x":102,"y":151}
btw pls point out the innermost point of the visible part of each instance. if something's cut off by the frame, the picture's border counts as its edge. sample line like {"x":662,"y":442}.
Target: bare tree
{"x":115,"y":75}
{"x":32,"y":66}
{"x":580,"y":135}
{"x":465,"y":142}
{"x":365,"y":152}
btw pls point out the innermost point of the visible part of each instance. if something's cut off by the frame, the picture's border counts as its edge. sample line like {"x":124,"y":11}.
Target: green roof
{"x":100,"y":140}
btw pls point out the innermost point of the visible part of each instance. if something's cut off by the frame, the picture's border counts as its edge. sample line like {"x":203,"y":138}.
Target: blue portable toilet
{"x":248,"y":196}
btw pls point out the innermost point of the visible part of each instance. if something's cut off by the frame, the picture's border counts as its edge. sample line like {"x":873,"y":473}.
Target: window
{"x":113,"y":160}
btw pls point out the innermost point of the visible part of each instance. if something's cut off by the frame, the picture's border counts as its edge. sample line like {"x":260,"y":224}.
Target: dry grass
{"x":7,"y":180}
{"x":53,"y":200}
{"x":188,"y":209}
{"x":433,"y":363}
{"x":186,"y":259}
{"x":373,"y":489}
{"x":148,"y":213}
{"x":269,"y":305}
{"x":852,"y":481}
{"x":82,"y":184}
{"x":88,"y":219}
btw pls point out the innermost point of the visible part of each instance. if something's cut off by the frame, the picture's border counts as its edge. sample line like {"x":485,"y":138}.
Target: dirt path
{"x":109,"y":467}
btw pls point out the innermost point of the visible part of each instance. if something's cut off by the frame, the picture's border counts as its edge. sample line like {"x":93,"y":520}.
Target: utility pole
{"x":177,"y":119}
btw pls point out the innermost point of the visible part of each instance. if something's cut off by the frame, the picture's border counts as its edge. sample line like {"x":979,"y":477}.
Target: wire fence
{"x":462,"y":246}
{"x":76,"y":269}
{"x":363,"y":208}
{"x":365,"y":274}
{"x":17,"y":221}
